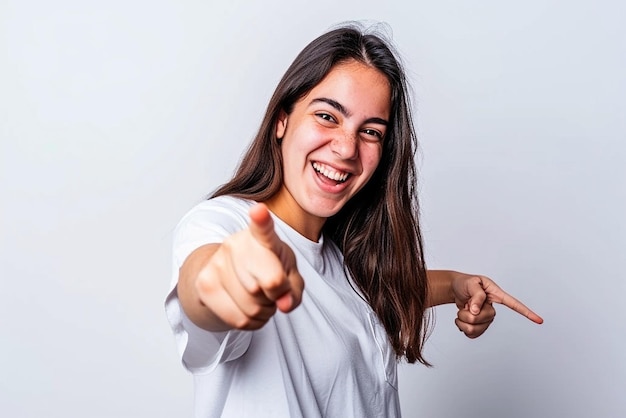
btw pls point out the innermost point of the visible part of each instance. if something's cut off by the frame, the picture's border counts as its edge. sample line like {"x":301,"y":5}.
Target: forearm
{"x":440,"y":287}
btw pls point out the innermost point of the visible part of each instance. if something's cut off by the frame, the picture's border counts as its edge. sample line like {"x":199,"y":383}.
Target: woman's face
{"x":331,"y":145}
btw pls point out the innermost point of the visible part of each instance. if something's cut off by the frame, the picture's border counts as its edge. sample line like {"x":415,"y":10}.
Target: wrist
{"x":441,"y":286}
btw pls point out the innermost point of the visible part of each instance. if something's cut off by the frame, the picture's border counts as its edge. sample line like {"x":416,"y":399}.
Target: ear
{"x":281,"y":124}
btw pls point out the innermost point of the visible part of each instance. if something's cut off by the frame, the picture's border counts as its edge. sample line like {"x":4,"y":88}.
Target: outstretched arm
{"x":474,"y":295}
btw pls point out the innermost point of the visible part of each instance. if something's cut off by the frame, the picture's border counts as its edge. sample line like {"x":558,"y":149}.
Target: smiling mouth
{"x":330,"y":172}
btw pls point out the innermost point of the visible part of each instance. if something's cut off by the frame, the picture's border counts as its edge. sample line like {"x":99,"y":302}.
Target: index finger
{"x":496,"y":294}
{"x":262,"y":227}
{"x":510,"y":302}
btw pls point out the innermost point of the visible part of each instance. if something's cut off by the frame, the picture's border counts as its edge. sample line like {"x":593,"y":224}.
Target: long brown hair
{"x":378,"y":229}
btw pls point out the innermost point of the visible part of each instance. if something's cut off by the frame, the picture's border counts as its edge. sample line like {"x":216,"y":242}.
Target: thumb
{"x":262,"y":227}
{"x":477,"y":296}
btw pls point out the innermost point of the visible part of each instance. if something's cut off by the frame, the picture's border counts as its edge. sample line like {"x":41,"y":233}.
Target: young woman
{"x":301,"y":282}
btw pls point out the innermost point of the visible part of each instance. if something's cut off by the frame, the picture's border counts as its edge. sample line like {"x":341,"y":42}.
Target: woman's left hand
{"x":474,"y":295}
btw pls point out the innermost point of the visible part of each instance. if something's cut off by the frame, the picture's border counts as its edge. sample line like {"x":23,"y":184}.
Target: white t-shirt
{"x":330,"y":357}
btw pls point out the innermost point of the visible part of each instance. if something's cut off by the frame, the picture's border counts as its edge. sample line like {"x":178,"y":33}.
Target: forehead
{"x":357,"y":86}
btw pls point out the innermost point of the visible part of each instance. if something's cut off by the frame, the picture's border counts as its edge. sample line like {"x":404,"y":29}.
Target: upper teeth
{"x":330,"y":172}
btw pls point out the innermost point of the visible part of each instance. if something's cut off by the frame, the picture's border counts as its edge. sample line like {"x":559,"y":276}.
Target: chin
{"x":326,"y":212}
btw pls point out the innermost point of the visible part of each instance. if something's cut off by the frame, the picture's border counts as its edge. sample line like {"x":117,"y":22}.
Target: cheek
{"x":294,"y":155}
{"x":371,"y":157}
{"x":301,"y":142}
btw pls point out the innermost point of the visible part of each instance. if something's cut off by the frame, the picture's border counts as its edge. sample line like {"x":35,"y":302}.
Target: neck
{"x":292,"y":214}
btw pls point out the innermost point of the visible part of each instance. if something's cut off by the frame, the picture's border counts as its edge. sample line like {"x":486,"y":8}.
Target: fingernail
{"x":475,"y":309}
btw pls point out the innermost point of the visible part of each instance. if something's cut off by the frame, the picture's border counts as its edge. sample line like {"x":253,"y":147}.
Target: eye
{"x":326,"y":117}
{"x":372,"y":134}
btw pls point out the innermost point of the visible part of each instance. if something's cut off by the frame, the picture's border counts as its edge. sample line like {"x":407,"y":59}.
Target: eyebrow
{"x":345,"y":112}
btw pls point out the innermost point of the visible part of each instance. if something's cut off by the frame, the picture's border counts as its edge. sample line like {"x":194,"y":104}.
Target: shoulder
{"x":210,"y":221}
{"x":219,"y":210}
{"x":223,"y":202}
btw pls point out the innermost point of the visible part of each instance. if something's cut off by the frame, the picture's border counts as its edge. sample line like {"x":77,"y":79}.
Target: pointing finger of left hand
{"x":496,"y":294}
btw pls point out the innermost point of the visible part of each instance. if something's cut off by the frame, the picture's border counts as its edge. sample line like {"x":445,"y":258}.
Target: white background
{"x":116,"y":117}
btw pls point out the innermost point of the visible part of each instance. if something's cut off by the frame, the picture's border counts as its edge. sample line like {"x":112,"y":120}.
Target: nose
{"x":345,"y":146}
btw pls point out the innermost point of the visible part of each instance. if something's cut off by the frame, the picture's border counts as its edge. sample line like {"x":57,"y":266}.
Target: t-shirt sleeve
{"x":209,"y":222}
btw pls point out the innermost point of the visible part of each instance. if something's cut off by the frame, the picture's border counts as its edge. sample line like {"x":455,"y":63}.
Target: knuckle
{"x":205,"y":285}
{"x":228,"y":245}
{"x":273,"y":280}
{"x":255,"y":315}
{"x":254,"y":311}
{"x":242,"y":322}
{"x":253,"y":287}
{"x":251,"y":324}
{"x":218,"y":262}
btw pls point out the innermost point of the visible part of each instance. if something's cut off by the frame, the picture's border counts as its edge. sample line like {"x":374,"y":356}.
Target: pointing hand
{"x":252,"y":273}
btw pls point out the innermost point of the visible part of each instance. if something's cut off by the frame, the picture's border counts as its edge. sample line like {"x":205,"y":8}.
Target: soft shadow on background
{"x":116,"y":118}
